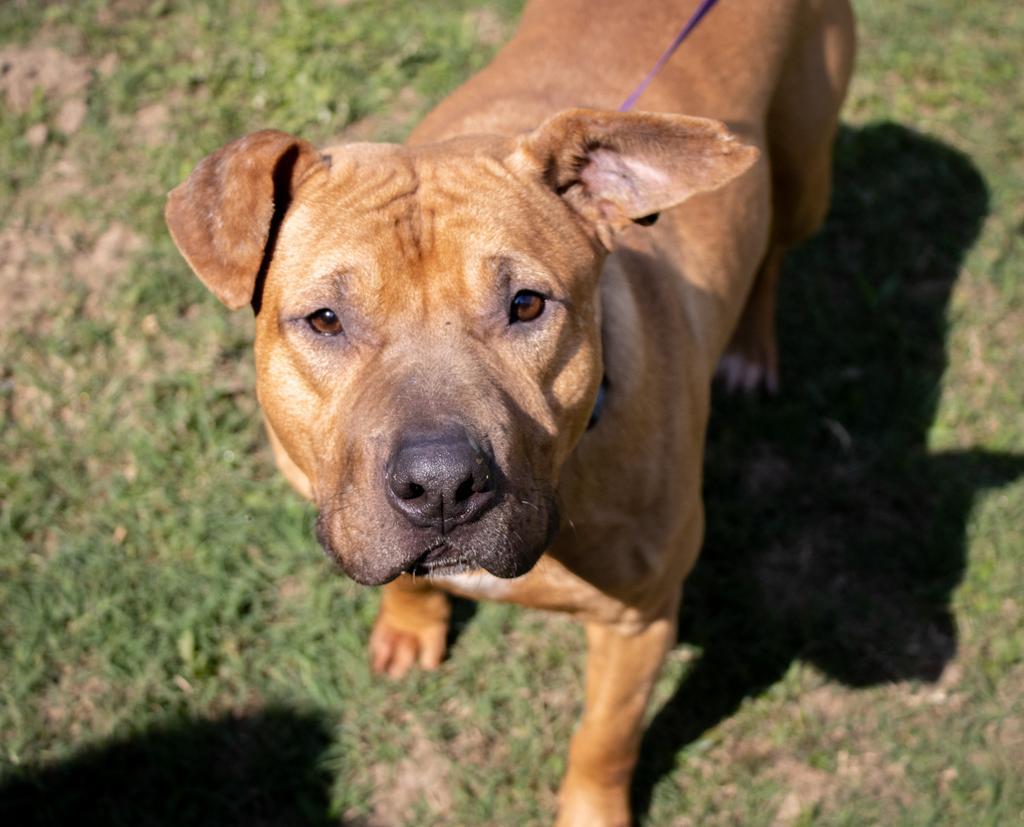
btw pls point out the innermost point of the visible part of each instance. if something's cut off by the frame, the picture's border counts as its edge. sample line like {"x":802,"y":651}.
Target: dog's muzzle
{"x":440,"y":506}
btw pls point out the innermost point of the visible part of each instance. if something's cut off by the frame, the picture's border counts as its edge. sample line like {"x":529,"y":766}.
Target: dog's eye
{"x":526,"y":306}
{"x":325,"y":322}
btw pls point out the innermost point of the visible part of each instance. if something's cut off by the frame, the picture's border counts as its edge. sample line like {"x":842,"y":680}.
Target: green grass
{"x":172,"y":645}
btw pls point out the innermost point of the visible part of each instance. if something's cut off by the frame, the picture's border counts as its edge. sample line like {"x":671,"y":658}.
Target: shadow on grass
{"x":834,"y":535}
{"x":261,"y":770}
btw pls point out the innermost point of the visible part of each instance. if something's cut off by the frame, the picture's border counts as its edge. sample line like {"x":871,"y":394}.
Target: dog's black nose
{"x":440,"y":479}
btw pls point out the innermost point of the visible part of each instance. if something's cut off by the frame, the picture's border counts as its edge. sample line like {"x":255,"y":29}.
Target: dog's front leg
{"x":411,"y":627}
{"x":622,"y":665}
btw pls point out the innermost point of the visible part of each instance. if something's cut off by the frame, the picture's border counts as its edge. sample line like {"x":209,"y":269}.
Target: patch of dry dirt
{"x":866,"y":775}
{"x":60,"y":181}
{"x":980,"y":357}
{"x":44,"y":232}
{"x":806,"y":786}
{"x":827,"y":703}
{"x":861,"y":771}
{"x":422,"y":776}
{"x":72,"y":705}
{"x":71,"y":116}
{"x":152,"y":124}
{"x":24,"y":69}
{"x":41,"y":261}
{"x":37,"y":134}
{"x":100,"y":269}
{"x":869,"y":775}
{"x":48,"y":252}
{"x":31,"y":278}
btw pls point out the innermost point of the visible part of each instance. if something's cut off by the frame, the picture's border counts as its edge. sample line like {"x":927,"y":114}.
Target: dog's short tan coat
{"x":506,"y":186}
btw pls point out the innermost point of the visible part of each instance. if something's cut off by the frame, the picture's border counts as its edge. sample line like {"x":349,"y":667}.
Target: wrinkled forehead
{"x":392,"y":210}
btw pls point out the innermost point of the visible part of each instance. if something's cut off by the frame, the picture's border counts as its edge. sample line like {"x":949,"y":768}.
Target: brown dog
{"x":437,"y":323}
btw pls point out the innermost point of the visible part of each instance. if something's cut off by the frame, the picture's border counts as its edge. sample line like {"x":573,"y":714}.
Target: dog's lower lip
{"x":442,"y":567}
{"x":440,"y":557}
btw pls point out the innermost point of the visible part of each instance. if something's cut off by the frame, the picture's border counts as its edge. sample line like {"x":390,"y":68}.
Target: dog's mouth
{"x":441,"y":557}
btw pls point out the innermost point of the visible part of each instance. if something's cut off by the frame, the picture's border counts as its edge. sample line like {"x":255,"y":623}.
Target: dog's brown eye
{"x":325,"y":322}
{"x":526,"y":306}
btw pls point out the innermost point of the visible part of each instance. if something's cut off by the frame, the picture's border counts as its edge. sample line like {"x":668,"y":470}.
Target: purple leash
{"x":691,"y":24}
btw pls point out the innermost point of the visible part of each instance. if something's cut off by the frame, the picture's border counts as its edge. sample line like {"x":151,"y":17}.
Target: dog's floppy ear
{"x":614,"y":167}
{"x":224,"y":217}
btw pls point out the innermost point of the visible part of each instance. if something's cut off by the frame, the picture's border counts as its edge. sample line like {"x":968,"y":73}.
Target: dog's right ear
{"x":225,"y":216}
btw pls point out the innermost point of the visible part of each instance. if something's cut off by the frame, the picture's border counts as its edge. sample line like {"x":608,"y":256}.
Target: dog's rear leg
{"x":800,"y":198}
{"x":411,"y":627}
{"x":752,"y":358}
{"x":622,"y":666}
{"x":801,"y":128}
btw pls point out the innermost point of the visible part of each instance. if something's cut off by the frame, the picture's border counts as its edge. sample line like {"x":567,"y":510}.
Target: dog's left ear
{"x":614,"y":168}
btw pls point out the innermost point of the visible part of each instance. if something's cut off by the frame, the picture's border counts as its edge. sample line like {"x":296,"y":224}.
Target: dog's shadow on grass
{"x":835,"y":535}
{"x":261,"y":769}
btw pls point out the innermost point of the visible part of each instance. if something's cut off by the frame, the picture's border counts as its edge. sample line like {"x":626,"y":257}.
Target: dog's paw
{"x":393,"y":651}
{"x":740,"y":372}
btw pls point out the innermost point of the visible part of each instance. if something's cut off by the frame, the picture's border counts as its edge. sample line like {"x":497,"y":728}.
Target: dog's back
{"x":569,"y":53}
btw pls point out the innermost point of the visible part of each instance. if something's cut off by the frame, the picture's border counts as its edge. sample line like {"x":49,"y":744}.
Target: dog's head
{"x":428,"y":342}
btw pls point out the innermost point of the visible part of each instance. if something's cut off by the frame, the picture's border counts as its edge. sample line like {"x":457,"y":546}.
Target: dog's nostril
{"x":464,"y":491}
{"x":405,"y":489}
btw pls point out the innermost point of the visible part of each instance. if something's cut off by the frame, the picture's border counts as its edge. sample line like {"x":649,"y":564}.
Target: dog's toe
{"x":393,"y":652}
{"x":740,"y":373}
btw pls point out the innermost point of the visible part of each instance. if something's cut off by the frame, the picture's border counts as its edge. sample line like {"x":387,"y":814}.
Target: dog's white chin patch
{"x":477,"y":583}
